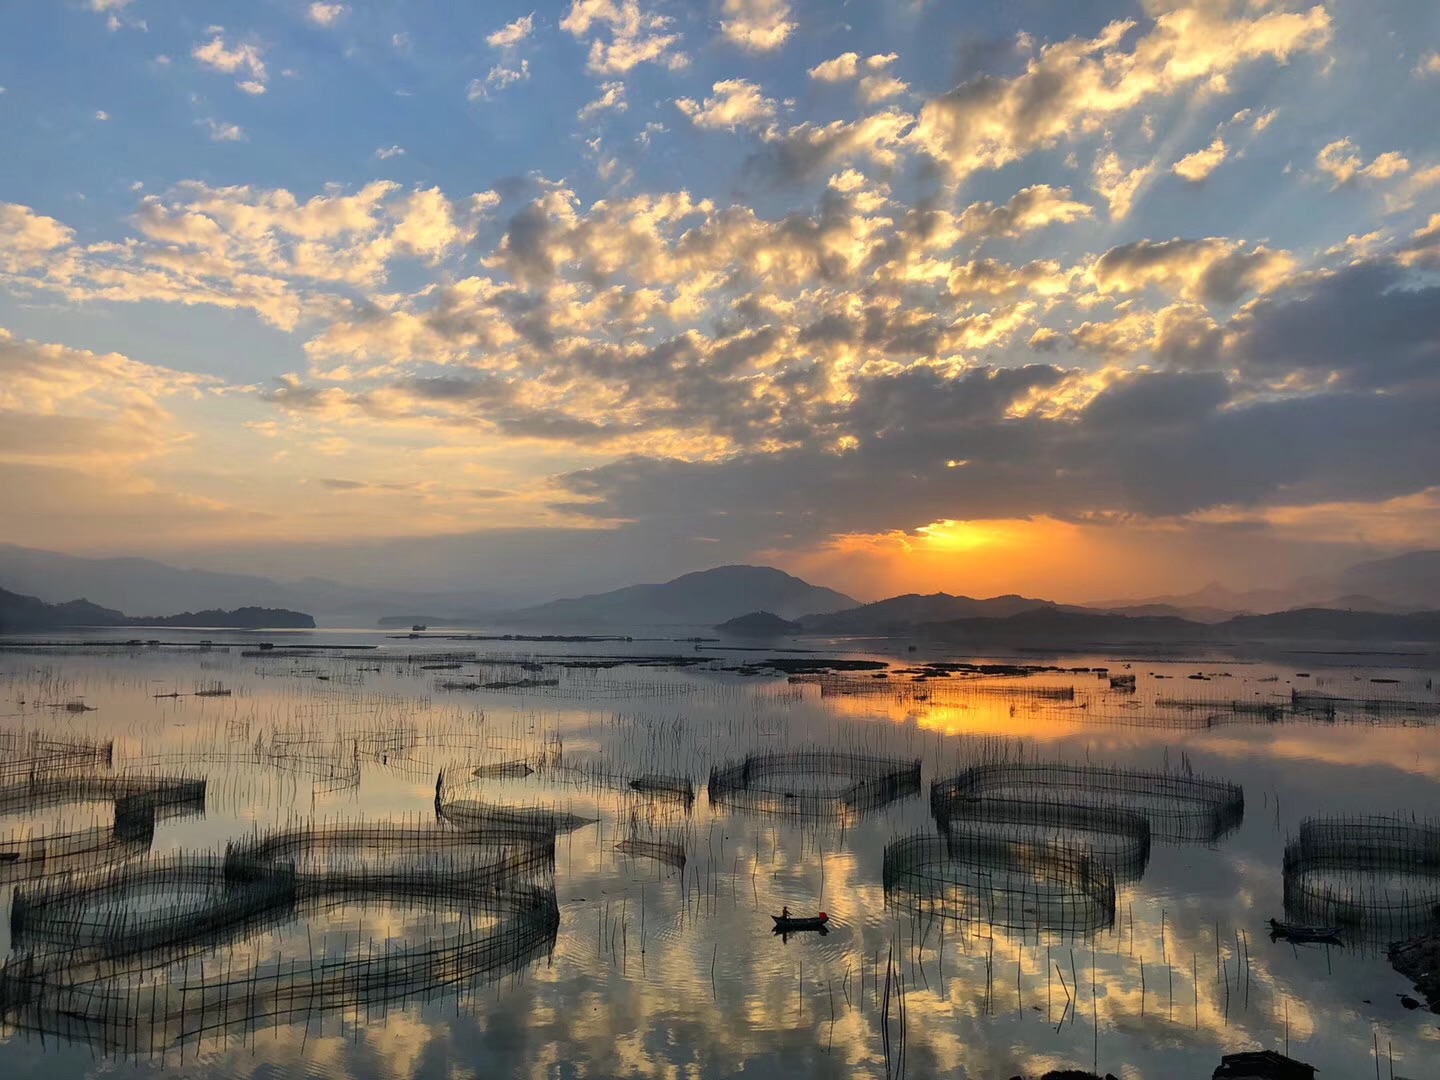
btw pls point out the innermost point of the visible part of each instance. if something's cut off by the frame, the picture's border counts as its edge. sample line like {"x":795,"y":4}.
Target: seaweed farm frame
{"x":399,"y":856}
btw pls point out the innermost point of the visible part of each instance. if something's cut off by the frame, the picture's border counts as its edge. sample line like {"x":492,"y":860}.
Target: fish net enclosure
{"x":1334,"y":706}
{"x":175,"y":795}
{"x":978,"y":878}
{"x":157,"y":906}
{"x":814,"y":783}
{"x":669,"y":853}
{"x":134,"y":1008}
{"x":510,"y":852}
{"x":1115,"y":837}
{"x":169,"y":906}
{"x":1180,"y":809}
{"x":139,"y":803}
{"x":162,"y":951}
{"x":476,"y":816}
{"x":28,"y":755}
{"x":1376,"y":877}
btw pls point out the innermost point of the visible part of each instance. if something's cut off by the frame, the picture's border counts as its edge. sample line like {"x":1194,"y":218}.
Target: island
{"x":19,"y":613}
{"x":759,"y":624}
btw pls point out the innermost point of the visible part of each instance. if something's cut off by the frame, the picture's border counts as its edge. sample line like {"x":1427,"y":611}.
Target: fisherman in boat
{"x":784,"y":912}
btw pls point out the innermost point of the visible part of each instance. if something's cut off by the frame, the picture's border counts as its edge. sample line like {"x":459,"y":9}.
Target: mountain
{"x":130,"y":584}
{"x":1198,"y":613}
{"x":759,"y":624}
{"x":704,"y":598}
{"x":1411,"y":580}
{"x":1332,"y":625}
{"x":1360,"y":602}
{"x":244,"y":618}
{"x":900,"y":613}
{"x":1399,"y":584}
{"x":1214,"y":599}
{"x":1056,"y":626}
{"x":19,"y":613}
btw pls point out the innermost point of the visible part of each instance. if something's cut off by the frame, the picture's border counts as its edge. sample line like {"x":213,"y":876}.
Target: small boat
{"x":1321,"y":935}
{"x":418,"y":627}
{"x":789,"y":924}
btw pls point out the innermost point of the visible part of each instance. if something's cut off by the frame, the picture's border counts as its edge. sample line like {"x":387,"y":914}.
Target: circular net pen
{"x":394,"y":848}
{"x":983,"y":879}
{"x":1180,"y":809}
{"x":1115,"y":837}
{"x":135,"y":1009}
{"x":1376,"y":877}
{"x":172,"y":907}
{"x":817,"y":784}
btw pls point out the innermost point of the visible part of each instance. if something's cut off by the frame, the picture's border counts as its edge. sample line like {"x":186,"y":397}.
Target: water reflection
{"x":401,"y":865}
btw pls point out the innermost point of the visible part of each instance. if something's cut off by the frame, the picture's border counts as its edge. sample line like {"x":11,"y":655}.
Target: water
{"x":661,"y":969}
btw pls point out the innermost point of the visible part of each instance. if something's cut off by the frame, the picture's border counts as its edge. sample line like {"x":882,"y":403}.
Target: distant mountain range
{"x":1400,"y":585}
{"x":703,"y":598}
{"x":22,"y":613}
{"x":900,"y":613}
{"x":129,"y":584}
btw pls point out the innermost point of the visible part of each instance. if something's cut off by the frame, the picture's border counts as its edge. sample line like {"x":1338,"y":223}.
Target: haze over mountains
{"x":131,"y":584}
{"x":1394,"y":586}
{"x":19,"y":613}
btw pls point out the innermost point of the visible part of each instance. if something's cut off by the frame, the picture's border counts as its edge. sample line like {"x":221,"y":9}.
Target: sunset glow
{"x":951,"y":294}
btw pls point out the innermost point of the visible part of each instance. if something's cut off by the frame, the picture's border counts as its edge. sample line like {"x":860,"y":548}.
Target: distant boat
{"x":419,"y":626}
{"x":788,"y":924}
{"x":1322,"y":935}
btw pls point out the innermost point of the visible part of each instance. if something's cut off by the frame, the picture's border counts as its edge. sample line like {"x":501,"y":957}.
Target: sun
{"x":950,"y":535}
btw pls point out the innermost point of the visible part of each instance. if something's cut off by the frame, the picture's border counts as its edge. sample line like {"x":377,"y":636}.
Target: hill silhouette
{"x":704,"y":598}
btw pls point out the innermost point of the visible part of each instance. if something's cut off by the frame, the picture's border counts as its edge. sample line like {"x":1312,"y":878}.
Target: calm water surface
{"x":657,"y":968}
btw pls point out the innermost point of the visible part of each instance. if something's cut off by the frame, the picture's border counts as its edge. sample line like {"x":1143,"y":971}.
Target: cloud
{"x":425,"y":224}
{"x":385,"y":153}
{"x":1155,"y":444}
{"x":242,"y":247}
{"x":612,"y":97}
{"x":498,"y":78}
{"x":875,"y":84}
{"x":1214,"y":269}
{"x":326,"y":14}
{"x":635,"y":36}
{"x":1029,"y":209}
{"x":756,"y":25}
{"x":221,"y":131}
{"x":1365,"y":327}
{"x":1343,"y":162}
{"x":1429,"y":64}
{"x":800,"y":152}
{"x":26,"y":238}
{"x":1196,"y":166}
{"x":63,"y":503}
{"x":1116,"y":184}
{"x":71,"y":406}
{"x":1075,"y":86}
{"x":242,"y":58}
{"x":512,"y":33}
{"x":736,"y":103}
{"x":1411,"y":188}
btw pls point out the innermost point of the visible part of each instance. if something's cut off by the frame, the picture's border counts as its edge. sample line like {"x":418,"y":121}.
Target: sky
{"x":1080,"y":300}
